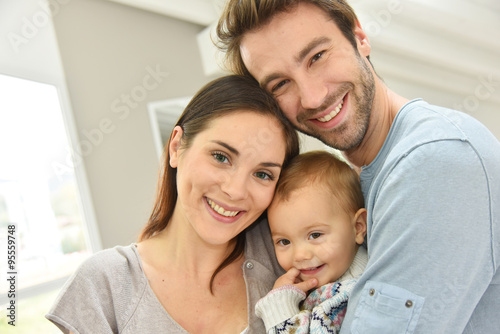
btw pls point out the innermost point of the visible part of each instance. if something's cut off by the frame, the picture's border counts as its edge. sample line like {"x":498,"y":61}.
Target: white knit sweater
{"x":321,"y":312}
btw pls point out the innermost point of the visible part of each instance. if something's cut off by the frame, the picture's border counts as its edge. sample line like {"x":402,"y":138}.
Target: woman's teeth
{"x":220,"y":210}
{"x":332,"y":114}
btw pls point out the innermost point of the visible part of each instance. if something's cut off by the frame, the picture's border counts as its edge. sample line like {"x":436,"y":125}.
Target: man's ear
{"x":174,"y":146}
{"x":360,"y":225}
{"x":362,"y":41}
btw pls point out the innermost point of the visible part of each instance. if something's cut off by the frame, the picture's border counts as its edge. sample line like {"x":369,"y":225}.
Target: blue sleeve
{"x":429,"y":244}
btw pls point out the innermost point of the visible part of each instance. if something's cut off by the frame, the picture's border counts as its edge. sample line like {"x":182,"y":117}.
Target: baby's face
{"x":312,"y":233}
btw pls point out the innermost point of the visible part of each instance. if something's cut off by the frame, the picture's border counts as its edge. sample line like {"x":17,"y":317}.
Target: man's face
{"x":324,"y":86}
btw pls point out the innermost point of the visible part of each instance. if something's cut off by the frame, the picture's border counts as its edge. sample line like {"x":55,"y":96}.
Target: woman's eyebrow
{"x":237,"y":153}
{"x":229,"y":147}
{"x":271,"y":164}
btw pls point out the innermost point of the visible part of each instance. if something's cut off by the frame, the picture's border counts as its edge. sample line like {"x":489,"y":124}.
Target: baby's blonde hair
{"x":322,"y":169}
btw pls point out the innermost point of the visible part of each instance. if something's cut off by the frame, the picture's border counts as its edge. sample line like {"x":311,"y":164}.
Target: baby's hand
{"x":291,"y":277}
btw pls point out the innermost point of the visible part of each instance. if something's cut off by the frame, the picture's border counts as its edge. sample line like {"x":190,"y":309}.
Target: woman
{"x":200,"y":264}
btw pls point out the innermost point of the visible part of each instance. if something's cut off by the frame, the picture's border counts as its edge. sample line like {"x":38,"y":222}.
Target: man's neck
{"x":386,"y":105}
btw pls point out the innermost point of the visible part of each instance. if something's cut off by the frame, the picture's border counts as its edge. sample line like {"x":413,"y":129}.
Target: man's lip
{"x":329,"y":110}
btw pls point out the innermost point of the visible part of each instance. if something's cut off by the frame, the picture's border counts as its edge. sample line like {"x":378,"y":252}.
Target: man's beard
{"x":346,"y":137}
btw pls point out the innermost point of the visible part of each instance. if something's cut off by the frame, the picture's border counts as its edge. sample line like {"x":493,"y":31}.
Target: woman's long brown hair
{"x":220,"y":97}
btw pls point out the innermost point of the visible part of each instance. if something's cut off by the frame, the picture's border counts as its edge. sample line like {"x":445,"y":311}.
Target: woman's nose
{"x":235,"y":185}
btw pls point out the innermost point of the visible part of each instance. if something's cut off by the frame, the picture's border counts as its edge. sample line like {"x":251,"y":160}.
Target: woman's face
{"x":227,"y":177}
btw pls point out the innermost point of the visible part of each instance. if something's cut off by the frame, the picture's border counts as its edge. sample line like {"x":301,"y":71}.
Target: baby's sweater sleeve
{"x":279,"y":305}
{"x":322,"y":311}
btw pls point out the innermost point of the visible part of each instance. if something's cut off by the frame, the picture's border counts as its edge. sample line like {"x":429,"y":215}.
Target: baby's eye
{"x":220,"y":157}
{"x":283,"y":242}
{"x":314,"y":235}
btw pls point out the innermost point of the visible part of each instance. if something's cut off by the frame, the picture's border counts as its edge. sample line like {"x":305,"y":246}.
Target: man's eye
{"x":317,"y":56}
{"x":278,"y":86}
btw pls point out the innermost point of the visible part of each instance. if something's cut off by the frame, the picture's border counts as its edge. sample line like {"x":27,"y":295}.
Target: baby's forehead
{"x":299,"y":193}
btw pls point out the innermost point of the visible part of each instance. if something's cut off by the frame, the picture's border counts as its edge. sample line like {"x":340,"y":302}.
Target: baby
{"x":318,"y":225}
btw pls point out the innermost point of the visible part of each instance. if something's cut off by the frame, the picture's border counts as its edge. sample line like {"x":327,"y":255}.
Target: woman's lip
{"x":311,"y":271}
{"x":224,"y":206}
{"x":220,"y":217}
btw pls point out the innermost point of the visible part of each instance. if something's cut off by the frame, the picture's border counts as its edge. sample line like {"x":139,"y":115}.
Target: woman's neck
{"x":179,"y":248}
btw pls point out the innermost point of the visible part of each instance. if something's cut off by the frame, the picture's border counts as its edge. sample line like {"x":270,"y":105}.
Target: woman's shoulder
{"x":112,"y":261}
{"x":106,"y":288}
{"x":109,"y":273}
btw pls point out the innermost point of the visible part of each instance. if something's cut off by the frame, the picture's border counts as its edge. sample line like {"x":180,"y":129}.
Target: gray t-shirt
{"x":109,"y":293}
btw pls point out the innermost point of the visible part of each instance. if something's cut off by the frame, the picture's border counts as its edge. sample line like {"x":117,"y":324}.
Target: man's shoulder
{"x":431,"y":122}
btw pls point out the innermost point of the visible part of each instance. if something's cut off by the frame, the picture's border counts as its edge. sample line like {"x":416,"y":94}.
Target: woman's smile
{"x":220,"y":210}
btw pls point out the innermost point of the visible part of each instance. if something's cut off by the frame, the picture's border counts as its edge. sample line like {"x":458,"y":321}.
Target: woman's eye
{"x":314,"y":235}
{"x":220,"y":157}
{"x":283,"y":242}
{"x":264,"y":176}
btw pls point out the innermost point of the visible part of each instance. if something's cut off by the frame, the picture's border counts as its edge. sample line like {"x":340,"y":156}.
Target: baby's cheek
{"x":283,"y":260}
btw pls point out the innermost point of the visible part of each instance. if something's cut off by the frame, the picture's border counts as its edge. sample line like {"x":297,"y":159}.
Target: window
{"x":41,"y":211}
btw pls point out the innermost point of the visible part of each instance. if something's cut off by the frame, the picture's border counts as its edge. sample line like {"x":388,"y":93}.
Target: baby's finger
{"x":289,"y":278}
{"x":292,"y":273}
{"x":307,"y":285}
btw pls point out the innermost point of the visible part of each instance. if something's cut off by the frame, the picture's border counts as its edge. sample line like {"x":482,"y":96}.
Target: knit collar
{"x":357,"y":266}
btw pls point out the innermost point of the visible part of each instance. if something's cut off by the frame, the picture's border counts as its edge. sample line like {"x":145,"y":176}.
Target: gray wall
{"x":116,"y":59}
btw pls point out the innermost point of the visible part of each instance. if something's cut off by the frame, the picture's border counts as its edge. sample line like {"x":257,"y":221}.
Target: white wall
{"x":116,"y":60}
{"x":29,"y":50}
{"x":28,"y":45}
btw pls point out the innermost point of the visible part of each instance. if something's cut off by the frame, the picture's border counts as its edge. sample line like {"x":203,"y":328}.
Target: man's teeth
{"x":220,"y":210}
{"x":332,"y":114}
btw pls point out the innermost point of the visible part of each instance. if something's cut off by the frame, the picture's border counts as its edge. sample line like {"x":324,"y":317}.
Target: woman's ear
{"x":174,"y":146}
{"x":360,"y":225}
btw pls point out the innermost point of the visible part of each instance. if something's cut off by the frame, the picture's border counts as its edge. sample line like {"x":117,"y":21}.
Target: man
{"x":430,"y":175}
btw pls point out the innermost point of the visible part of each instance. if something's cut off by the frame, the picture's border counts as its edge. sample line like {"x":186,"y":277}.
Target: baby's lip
{"x":311,"y":270}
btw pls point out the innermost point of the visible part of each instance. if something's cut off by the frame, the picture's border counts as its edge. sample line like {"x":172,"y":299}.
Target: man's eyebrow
{"x":299,"y":58}
{"x":267,"y":79}
{"x":314,"y":43}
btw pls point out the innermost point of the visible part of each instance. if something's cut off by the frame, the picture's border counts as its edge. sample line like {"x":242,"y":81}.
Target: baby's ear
{"x":360,"y":225}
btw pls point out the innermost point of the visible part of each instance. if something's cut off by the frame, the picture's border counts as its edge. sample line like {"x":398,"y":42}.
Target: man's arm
{"x":429,"y":244}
